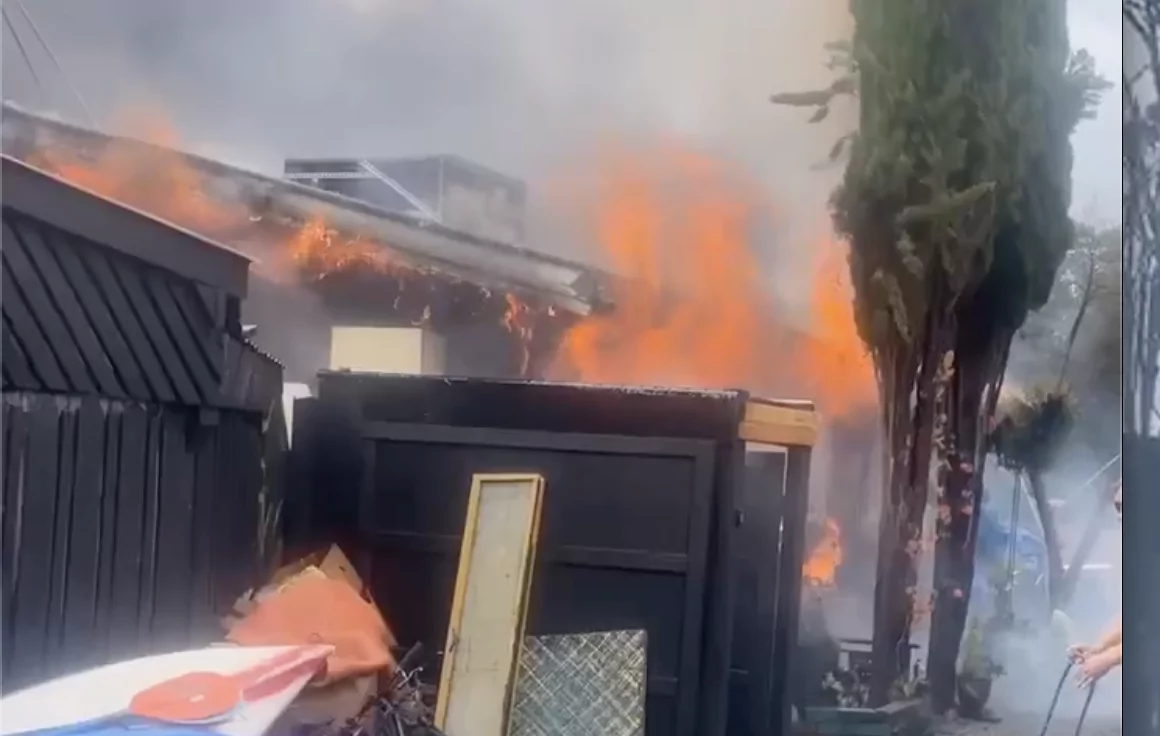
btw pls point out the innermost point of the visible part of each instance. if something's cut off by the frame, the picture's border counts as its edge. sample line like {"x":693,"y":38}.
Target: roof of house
{"x":100,"y":299}
{"x":426,"y":246}
{"x":63,"y":205}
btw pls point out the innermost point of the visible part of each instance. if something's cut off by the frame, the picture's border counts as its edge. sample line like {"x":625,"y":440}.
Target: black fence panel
{"x":656,"y":516}
{"x":128,"y":528}
{"x":137,"y":500}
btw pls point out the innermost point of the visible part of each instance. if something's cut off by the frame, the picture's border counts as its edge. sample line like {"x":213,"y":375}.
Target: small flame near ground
{"x":821,"y":567}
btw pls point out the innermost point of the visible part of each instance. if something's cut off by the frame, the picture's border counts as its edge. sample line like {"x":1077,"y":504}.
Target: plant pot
{"x":974,"y":692}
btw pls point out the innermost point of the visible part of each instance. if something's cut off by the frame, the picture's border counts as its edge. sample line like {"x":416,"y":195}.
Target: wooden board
{"x":490,"y":604}
{"x":784,"y":423}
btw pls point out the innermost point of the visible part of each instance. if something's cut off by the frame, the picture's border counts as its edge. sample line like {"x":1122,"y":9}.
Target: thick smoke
{"x":523,"y":86}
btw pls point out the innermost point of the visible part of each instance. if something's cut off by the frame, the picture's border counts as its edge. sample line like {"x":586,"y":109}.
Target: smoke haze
{"x":522,"y":86}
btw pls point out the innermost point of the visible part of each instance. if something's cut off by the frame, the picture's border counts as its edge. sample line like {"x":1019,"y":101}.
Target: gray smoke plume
{"x":525,"y":87}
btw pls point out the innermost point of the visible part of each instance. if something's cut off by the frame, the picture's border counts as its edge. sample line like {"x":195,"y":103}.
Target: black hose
{"x":1086,"y":703}
{"x":1091,"y":691}
{"x":1055,"y":698}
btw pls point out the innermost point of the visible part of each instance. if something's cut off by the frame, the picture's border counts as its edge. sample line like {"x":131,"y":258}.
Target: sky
{"x":1098,"y":182}
{"x":520,"y":85}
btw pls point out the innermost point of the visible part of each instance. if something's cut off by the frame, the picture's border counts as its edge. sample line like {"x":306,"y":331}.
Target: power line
{"x":52,"y":57}
{"x":23,"y":52}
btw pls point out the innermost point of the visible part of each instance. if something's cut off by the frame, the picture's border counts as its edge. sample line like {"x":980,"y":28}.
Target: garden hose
{"x":1091,"y":691}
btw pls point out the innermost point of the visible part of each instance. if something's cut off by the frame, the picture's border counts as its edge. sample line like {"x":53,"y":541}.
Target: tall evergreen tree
{"x":954,"y":203}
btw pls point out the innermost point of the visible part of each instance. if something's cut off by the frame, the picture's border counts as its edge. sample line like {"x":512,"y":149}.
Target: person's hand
{"x":1080,"y":652}
{"x":1095,"y":666}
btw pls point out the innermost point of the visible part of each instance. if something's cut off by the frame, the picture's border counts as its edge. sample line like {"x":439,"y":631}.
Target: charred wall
{"x":488,"y":334}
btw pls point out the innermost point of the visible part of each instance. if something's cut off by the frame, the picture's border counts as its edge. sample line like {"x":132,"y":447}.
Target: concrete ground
{"x":1029,"y":725}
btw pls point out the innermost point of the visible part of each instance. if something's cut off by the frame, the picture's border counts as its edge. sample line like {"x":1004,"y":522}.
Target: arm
{"x":1093,"y":669}
{"x":1113,"y":637}
{"x":1117,"y":654}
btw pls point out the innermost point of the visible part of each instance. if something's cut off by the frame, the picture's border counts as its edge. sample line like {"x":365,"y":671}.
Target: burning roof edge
{"x":570,"y":285}
{"x":35,"y":193}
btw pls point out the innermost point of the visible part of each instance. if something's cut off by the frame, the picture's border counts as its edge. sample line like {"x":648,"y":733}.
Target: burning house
{"x":417,"y":266}
{"x":347,"y":276}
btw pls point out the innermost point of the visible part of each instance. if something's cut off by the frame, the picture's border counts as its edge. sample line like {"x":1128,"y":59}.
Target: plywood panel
{"x":405,"y":350}
{"x":487,"y":614}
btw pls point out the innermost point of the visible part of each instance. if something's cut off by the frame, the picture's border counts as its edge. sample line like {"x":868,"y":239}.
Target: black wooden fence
{"x":127,"y":526}
{"x":138,"y":501}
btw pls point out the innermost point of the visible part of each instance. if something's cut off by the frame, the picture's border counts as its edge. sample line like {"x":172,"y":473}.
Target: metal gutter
{"x":422,"y":244}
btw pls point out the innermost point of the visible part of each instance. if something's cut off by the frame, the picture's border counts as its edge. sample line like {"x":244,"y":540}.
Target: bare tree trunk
{"x":1050,"y":535}
{"x":909,"y":404}
{"x":970,"y":403}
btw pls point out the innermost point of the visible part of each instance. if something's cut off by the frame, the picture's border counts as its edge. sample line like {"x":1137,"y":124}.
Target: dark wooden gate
{"x":137,"y":502}
{"x":668,"y":511}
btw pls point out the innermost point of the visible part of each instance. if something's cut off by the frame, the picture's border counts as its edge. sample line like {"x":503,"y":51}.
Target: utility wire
{"x":52,"y":57}
{"x":23,"y":52}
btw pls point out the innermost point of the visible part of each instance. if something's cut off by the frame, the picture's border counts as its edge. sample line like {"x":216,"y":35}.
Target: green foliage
{"x":1030,"y":428}
{"x":961,"y":149}
{"x":955,"y":204}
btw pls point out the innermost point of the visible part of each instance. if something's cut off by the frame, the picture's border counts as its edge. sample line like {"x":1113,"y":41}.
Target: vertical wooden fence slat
{"x":205,"y":532}
{"x":175,"y":534}
{"x":33,"y":582}
{"x":151,"y":494}
{"x":110,"y":498}
{"x":82,"y":575}
{"x":128,"y":546}
{"x":62,"y":523}
{"x":15,"y":468}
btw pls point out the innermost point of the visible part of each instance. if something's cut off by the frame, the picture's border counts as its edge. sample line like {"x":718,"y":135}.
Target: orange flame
{"x":318,"y":250}
{"x":821,"y":566}
{"x":684,"y":314}
{"x":691,"y":309}
{"x":153,"y":178}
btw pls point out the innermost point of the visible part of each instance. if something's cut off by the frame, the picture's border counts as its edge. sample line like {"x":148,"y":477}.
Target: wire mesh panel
{"x":581,"y":685}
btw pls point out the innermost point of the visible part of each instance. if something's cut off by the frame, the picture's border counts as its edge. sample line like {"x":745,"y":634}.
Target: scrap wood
{"x":404,"y":708}
{"x":312,"y":608}
{"x":336,"y":702}
{"x":333,"y":563}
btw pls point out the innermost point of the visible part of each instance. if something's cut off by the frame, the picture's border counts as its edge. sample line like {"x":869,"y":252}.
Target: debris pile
{"x":362,"y":689}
